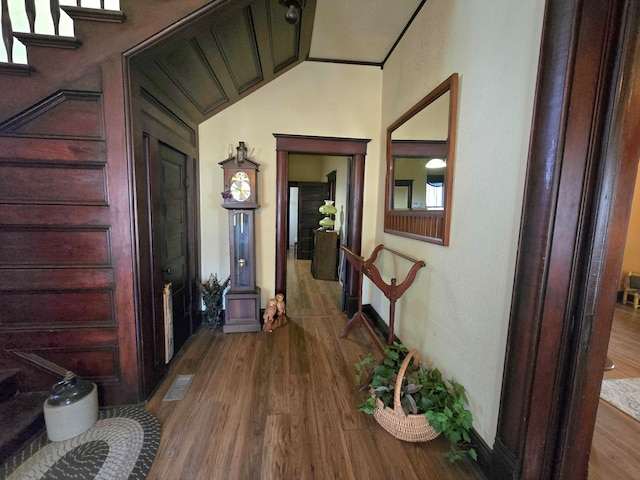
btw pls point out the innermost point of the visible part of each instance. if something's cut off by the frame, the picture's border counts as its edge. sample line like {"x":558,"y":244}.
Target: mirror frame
{"x":425,"y":225}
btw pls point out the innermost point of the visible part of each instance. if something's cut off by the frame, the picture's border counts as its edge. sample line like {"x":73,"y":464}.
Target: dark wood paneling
{"x":96,"y":363}
{"x":187,"y":67}
{"x":285,"y":38}
{"x":57,"y":222}
{"x":237,"y":41}
{"x":51,"y":247}
{"x":48,"y":150}
{"x":50,"y":117}
{"x":56,"y":309}
{"x":172,"y":128}
{"x":53,"y":184}
{"x":208,"y":62}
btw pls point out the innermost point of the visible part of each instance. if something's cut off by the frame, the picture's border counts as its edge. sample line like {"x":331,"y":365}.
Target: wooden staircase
{"x":22,"y":392}
{"x":21,"y":414}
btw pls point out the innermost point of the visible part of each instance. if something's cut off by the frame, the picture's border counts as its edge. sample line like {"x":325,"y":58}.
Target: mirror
{"x":420,"y":154}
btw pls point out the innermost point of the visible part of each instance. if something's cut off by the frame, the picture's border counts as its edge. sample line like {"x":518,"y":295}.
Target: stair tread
{"x":93,"y":14}
{"x":8,"y":383}
{"x":44,"y":40}
{"x":27,"y":405}
{"x":8,"y":372}
{"x":21,"y":418}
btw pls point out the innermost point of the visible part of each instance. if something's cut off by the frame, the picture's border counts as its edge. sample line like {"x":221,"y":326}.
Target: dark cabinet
{"x":324,"y":261}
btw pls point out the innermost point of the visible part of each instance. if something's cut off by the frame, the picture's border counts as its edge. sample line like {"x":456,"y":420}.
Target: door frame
{"x":579,"y":187}
{"x":346,"y":147}
{"x":149,"y":112}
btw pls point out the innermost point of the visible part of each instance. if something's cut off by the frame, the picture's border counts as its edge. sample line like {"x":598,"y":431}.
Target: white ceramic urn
{"x":71,"y":409}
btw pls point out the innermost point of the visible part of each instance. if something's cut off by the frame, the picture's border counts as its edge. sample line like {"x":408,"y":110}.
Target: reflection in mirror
{"x":420,"y":147}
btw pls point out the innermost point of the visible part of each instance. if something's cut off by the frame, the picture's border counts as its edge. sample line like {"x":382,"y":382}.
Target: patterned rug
{"x":121,"y":445}
{"x":623,"y":394}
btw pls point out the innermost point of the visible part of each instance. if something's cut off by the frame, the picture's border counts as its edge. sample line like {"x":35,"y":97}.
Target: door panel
{"x":310,"y":196}
{"x":172,"y":230}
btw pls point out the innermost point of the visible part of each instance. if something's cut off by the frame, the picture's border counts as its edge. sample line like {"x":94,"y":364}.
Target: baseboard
{"x":504,"y":465}
{"x":382,"y":329}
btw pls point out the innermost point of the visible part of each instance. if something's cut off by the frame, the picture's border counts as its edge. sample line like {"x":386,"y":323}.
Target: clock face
{"x":240,"y":187}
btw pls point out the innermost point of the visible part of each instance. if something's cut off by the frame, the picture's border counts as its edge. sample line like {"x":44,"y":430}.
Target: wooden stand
{"x":392,"y":291}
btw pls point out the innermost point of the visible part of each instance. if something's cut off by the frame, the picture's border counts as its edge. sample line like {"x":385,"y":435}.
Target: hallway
{"x":283,"y":405}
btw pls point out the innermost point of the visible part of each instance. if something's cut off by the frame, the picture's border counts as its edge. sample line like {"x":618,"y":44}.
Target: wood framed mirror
{"x":420,"y":154}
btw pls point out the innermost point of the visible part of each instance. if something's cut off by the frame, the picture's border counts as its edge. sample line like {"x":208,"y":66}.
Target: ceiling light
{"x":436,"y":163}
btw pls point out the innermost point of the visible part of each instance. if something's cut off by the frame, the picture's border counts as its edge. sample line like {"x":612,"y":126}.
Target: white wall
{"x":457,"y":311}
{"x":318,"y":99}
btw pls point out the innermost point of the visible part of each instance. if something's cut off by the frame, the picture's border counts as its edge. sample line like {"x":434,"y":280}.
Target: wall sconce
{"x":294,"y":7}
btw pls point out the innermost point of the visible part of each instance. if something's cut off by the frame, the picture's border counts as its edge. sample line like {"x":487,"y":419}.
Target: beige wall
{"x":312,"y":99}
{"x":631,"y":259}
{"x":457,"y":311}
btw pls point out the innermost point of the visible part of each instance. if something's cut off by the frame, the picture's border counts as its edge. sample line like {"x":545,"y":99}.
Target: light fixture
{"x":436,"y":163}
{"x":327,"y":209}
{"x":293,"y":10}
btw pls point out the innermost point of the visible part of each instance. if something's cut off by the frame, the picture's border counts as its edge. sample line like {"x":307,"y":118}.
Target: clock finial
{"x":242,"y":153}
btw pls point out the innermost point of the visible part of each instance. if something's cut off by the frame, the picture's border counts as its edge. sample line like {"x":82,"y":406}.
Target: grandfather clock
{"x":240,"y":198}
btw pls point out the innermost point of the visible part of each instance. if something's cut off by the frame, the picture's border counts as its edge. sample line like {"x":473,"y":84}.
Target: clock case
{"x":242,"y":300}
{"x":230,"y":167}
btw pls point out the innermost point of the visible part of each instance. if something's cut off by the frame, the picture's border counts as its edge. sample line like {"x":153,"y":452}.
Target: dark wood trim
{"x":426,"y":225}
{"x":613,"y":180}
{"x":564,"y":286}
{"x":351,"y":147}
{"x":122,"y":230}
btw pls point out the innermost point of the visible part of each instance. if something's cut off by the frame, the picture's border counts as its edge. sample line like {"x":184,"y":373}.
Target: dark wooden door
{"x":310,"y":196}
{"x":171,"y":232}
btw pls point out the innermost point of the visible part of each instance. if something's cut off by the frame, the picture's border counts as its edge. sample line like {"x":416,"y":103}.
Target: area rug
{"x":624,"y":394}
{"x":121,"y":445}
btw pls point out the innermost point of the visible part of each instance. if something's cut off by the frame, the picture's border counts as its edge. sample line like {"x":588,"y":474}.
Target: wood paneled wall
{"x":60,"y":255}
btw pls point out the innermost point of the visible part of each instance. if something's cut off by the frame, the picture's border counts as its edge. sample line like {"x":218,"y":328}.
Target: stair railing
{"x":21,"y":15}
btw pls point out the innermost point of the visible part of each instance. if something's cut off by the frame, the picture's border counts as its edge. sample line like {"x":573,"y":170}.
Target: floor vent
{"x":178,"y":388}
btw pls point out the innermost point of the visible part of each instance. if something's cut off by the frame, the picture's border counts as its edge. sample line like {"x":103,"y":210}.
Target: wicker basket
{"x":410,"y":428}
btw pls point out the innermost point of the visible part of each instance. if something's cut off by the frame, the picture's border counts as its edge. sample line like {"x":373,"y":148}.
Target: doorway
{"x":354,"y":148}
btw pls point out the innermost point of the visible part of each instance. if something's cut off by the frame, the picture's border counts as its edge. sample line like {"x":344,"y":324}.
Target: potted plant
{"x":423,"y":392}
{"x":212,"y":292}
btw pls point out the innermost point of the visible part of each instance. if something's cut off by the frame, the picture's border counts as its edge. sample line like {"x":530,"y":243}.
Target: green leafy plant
{"x":423,"y":391}
{"x":212,"y":292}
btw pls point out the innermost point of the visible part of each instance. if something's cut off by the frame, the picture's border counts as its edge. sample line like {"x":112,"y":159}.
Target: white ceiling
{"x":361,"y":31}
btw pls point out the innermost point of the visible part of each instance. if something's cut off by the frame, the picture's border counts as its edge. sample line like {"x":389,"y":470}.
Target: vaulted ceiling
{"x":214,"y":58}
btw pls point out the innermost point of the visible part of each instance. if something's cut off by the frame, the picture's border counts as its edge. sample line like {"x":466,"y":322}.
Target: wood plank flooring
{"x":283,"y":405}
{"x":616,"y":439}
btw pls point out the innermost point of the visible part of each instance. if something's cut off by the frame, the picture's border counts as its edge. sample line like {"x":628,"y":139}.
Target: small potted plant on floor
{"x":414,"y":402}
{"x":212,"y":292}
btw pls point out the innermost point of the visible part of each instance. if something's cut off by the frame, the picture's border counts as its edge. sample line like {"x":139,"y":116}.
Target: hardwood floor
{"x":614,"y":450}
{"x":283,"y":405}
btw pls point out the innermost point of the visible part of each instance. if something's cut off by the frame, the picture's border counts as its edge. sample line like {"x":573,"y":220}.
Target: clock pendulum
{"x":240,"y":198}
